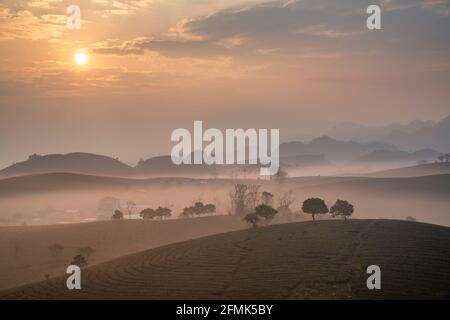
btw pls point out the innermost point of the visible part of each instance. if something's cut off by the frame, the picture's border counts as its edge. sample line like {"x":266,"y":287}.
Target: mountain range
{"x":413,"y":136}
{"x":322,"y":151}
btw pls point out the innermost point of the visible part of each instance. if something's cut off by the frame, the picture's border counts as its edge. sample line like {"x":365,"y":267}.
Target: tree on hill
{"x":79,"y":260}
{"x":252,"y":218}
{"x":342,"y":208}
{"x":266,"y":212}
{"x":198,"y":209}
{"x":148,"y":213}
{"x":209,"y":208}
{"x":284,"y":203}
{"x":441,"y":158}
{"x":314,"y":206}
{"x":118,"y":215}
{"x":56,"y":249}
{"x":244,"y":198}
{"x":162,"y":212}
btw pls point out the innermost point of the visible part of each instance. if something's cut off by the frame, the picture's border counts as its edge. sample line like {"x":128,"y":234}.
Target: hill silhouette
{"x":78,"y":162}
{"x":415,"y":171}
{"x":312,"y":260}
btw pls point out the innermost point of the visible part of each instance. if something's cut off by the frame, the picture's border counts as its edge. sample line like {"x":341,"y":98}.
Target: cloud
{"x":293,"y":28}
{"x":25,"y":25}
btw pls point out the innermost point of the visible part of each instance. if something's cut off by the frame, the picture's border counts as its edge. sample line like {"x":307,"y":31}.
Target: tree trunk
{"x":314,"y":217}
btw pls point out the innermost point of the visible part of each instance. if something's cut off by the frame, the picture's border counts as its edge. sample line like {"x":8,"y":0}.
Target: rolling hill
{"x":312,"y":260}
{"x":79,"y":162}
{"x":414,"y":171}
{"x":385,"y":157}
{"x":26,"y":258}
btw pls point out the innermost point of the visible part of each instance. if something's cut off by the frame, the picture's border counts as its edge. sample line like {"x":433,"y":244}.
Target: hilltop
{"x":309,"y":260}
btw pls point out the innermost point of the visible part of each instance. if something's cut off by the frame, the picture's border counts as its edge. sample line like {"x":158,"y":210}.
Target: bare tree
{"x":253,"y":197}
{"x":238,"y":198}
{"x":244,"y":198}
{"x":285,"y":201}
{"x":130,"y":207}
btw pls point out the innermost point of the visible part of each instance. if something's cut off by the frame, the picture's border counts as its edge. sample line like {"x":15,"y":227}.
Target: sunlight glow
{"x":81,"y":58}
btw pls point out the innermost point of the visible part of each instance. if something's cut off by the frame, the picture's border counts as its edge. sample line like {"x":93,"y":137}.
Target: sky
{"x":158,"y":65}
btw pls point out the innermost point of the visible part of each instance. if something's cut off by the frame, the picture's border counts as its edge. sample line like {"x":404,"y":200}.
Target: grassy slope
{"x":25,"y":255}
{"x":325,"y":259}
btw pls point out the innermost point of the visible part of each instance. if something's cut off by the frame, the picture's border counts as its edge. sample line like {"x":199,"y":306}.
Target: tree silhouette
{"x":130,"y":207}
{"x":244,"y":198}
{"x":198,"y":209}
{"x":342,"y":208}
{"x":314,"y":206}
{"x":79,"y":260}
{"x":252,"y":218}
{"x":284,"y":202}
{"x":162,"y":212}
{"x":148,"y":213}
{"x":447,"y":157}
{"x":118,"y":215}
{"x":266,"y":212}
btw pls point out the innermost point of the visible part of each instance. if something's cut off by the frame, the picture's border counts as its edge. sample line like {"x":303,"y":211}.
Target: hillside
{"x":79,"y":162}
{"x":321,"y":260}
{"x":26,"y":257}
{"x":392,"y":157}
{"x":415,"y":171}
{"x":332,"y":149}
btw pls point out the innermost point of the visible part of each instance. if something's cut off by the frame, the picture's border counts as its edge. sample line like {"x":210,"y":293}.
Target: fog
{"x":425,"y":198}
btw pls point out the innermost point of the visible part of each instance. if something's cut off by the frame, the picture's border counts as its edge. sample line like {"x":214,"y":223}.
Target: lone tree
{"x":266,"y":212}
{"x":162,"y":212}
{"x":79,"y":260}
{"x":314,"y":206}
{"x":252,"y":218}
{"x":56,"y":249}
{"x":118,"y":215}
{"x":130,"y":207}
{"x":342,"y":208}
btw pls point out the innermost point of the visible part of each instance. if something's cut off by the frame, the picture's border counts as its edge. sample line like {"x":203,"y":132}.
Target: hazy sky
{"x":157,"y":65}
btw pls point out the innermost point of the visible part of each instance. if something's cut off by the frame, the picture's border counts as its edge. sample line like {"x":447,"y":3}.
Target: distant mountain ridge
{"x":435,"y":136}
{"x":322,"y":151}
{"x":387,"y":156}
{"x":413,"y":136}
{"x":351,"y":131}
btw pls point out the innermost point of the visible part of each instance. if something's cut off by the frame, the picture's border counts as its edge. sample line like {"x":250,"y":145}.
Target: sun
{"x":81,"y":58}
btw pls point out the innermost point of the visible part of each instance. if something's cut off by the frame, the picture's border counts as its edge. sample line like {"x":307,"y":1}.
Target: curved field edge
{"x":307,"y":260}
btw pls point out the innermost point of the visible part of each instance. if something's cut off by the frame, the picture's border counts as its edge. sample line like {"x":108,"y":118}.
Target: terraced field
{"x":308,"y":260}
